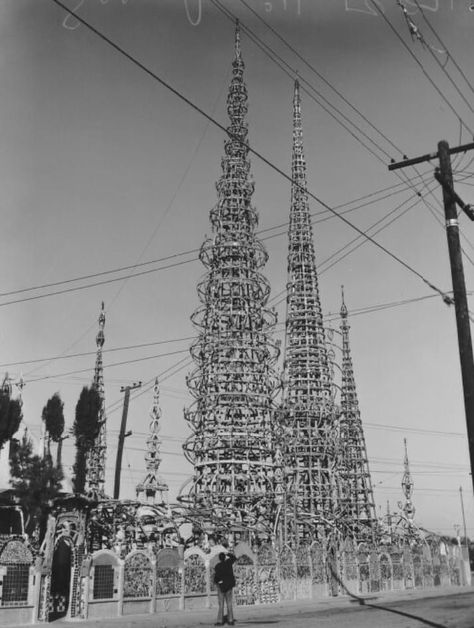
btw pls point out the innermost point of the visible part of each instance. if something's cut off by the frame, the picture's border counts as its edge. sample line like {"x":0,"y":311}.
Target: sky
{"x":102,"y":167}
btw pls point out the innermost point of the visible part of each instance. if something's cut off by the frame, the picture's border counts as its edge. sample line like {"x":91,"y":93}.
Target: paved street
{"x":447,"y":608}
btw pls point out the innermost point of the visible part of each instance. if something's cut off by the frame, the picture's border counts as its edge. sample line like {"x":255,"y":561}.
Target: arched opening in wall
{"x":60,"y":580}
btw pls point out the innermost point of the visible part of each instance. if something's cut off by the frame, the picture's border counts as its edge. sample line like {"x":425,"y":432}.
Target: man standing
{"x":225,"y":581}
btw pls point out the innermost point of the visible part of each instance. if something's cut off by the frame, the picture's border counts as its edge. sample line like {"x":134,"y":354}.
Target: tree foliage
{"x":10,"y":416}
{"x":53,"y":417}
{"x":86,"y":429}
{"x":36,"y":483}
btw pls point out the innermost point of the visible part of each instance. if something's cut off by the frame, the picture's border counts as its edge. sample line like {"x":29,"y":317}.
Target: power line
{"x":98,"y":274}
{"x":149,"y":357}
{"x":291,"y":72}
{"x":450,"y":56}
{"x":368,"y":309}
{"x":264,"y":159}
{"x":329,"y":317}
{"x":279,"y":61}
{"x":340,"y":250}
{"x":415,"y":31}
{"x":390,"y":189}
{"x":265,"y":47}
{"x":97,"y":283}
{"x":90,"y":353}
{"x":320,"y":76}
{"x":418,"y":62}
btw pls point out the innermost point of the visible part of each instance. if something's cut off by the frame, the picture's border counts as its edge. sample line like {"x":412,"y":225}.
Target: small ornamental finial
{"x":343,"y":305}
{"x":100,"y":338}
{"x":296,"y":97}
{"x":237,"y":39}
{"x":297,"y":88}
{"x":407,"y":486}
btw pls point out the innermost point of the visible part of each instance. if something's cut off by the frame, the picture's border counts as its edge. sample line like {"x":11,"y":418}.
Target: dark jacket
{"x":224,"y":574}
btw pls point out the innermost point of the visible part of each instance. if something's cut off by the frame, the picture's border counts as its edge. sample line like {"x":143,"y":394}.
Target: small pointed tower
{"x":153,"y":485}
{"x":234,"y":381}
{"x":407,"y":487}
{"x":307,"y":412}
{"x":356,"y":498}
{"x":95,"y":476}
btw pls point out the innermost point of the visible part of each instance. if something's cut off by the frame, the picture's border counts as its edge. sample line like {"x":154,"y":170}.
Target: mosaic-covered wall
{"x":66,"y":579}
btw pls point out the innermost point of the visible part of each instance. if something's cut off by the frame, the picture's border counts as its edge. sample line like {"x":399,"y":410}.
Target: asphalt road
{"x":453,"y":611}
{"x":452,"y":608}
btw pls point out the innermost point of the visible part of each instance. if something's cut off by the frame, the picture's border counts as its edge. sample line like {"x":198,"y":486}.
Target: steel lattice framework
{"x":95,"y":475}
{"x":234,"y":382}
{"x":153,"y":483}
{"x":356,"y":498}
{"x":308,"y":413}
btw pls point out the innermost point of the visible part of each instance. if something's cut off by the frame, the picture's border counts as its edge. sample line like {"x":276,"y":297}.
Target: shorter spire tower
{"x":356,"y":498}
{"x":95,"y":478}
{"x":153,"y":483}
{"x":407,"y":486}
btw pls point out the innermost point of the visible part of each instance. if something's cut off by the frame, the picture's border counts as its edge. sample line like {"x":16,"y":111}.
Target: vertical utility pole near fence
{"x":444,"y":176}
{"x":123,"y":435}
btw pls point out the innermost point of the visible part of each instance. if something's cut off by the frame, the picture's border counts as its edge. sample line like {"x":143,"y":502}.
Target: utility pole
{"x":444,"y":176}
{"x":123,"y":435}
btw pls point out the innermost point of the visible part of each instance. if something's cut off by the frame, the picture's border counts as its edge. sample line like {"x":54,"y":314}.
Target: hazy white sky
{"x":101,"y":167}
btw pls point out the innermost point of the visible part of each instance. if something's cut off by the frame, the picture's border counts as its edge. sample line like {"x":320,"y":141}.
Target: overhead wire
{"x":259,"y":155}
{"x":423,"y":41}
{"x":179,"y":186}
{"x":420,"y":65}
{"x":450,"y":56}
{"x":175,"y":368}
{"x":391,"y":191}
{"x":292,"y":72}
{"x":87,"y":370}
{"x":266,"y":48}
{"x":305,"y":85}
{"x":319,"y":75}
{"x":324,"y":267}
{"x":141,"y":345}
{"x":98,"y":274}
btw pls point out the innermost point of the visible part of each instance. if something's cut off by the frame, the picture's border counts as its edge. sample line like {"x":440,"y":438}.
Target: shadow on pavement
{"x":363,"y":602}
{"x":417,"y":617}
{"x":258,"y":621}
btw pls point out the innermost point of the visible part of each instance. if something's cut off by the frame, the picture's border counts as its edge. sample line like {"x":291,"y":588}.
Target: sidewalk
{"x":261,"y":613}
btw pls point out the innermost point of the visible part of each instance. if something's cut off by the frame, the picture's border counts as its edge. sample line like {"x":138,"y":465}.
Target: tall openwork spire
{"x":95,"y":478}
{"x":356,"y":499}
{"x":407,"y":486}
{"x":233,"y":383}
{"x":153,"y":484}
{"x":307,"y":411}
